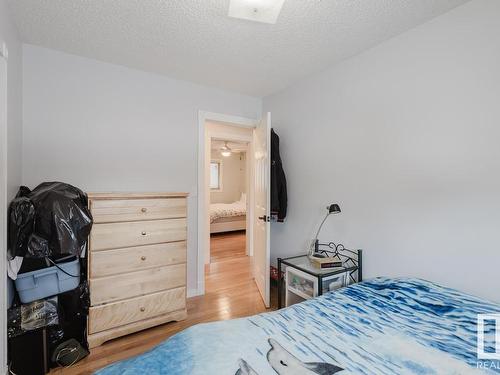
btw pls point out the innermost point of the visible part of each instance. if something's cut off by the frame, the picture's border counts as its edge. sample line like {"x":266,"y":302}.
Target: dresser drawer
{"x":117,"y":235}
{"x":135,"y":309}
{"x":112,"y":262}
{"x":117,"y":210}
{"x":127,"y":285}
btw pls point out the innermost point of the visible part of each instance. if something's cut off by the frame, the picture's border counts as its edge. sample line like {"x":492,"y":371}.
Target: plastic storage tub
{"x":48,"y":281}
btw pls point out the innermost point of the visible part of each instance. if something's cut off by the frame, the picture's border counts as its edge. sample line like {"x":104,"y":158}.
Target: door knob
{"x":143,"y":309}
{"x":143,"y":233}
{"x":264,"y":218}
{"x":143,"y":258}
{"x":144,"y":209}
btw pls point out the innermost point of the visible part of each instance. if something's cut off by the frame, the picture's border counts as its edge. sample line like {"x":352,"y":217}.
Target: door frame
{"x":3,"y":210}
{"x":203,"y":189}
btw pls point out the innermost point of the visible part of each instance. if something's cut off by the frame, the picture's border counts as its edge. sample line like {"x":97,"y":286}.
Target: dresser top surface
{"x":136,"y":195}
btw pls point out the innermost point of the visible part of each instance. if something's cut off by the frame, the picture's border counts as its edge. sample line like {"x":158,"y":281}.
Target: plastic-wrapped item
{"x":31,"y":316}
{"x":55,"y":334}
{"x":53,"y":219}
{"x":21,"y":220}
{"x":38,"y":247}
{"x":77,"y":302}
{"x":39,"y":314}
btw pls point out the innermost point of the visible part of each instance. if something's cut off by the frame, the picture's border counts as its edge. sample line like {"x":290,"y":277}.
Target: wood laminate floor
{"x":224,"y":246}
{"x":230,"y":293}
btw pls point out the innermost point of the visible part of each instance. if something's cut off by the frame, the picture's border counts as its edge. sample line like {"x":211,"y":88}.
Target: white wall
{"x":8,"y":34}
{"x":233,"y":177}
{"x":104,"y":127}
{"x":406,"y":138}
{"x":12,"y":131}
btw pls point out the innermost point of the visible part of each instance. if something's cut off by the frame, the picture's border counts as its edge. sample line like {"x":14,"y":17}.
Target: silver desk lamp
{"x":334,"y":208}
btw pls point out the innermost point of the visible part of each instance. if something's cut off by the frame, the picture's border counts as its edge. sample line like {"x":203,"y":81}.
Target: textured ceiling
{"x":195,"y":40}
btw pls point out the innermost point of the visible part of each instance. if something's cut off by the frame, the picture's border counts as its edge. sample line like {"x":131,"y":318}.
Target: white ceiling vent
{"x":266,"y":11}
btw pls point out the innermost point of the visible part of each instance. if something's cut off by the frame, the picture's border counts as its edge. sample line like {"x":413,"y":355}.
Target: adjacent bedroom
{"x":228,"y":261}
{"x":249,"y":187}
{"x":228,"y":200}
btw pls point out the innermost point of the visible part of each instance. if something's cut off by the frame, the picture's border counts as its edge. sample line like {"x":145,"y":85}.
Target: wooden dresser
{"x":137,"y":262}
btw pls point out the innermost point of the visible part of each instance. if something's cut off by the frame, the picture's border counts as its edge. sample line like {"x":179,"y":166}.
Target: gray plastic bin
{"x":48,"y":281}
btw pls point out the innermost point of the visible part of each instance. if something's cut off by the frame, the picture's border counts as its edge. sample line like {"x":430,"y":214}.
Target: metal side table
{"x":304,"y":281}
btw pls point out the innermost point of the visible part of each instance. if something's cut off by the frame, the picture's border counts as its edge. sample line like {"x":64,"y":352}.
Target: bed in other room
{"x":380,"y":326}
{"x":228,"y":217}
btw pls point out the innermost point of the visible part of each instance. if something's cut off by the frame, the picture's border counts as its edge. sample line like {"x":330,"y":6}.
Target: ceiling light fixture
{"x":265,"y":11}
{"x":225,"y":150}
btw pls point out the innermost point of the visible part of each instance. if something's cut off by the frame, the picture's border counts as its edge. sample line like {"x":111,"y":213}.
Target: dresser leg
{"x":181,"y":315}
{"x":94,"y":342}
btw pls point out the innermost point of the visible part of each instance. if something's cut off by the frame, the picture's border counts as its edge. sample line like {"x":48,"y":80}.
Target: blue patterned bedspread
{"x":380,"y":326}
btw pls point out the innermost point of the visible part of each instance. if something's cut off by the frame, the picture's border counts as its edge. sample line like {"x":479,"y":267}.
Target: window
{"x":215,"y":175}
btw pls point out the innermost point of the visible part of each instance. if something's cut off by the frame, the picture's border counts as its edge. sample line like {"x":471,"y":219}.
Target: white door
{"x":262,"y":203}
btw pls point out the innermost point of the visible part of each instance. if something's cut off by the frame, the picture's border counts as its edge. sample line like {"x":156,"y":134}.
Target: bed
{"x":227,"y":217}
{"x":379,"y":326}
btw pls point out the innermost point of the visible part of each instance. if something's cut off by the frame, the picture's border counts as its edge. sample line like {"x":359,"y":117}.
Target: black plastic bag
{"x":21,"y":221}
{"x":76,"y":302}
{"x":52,"y":219}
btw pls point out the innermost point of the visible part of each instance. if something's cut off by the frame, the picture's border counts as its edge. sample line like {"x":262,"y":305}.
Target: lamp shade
{"x":334,"y":208}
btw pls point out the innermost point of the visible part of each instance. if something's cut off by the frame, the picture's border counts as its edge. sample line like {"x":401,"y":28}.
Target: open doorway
{"x":230,"y":265}
{"x":228,"y":256}
{"x":229,"y":186}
